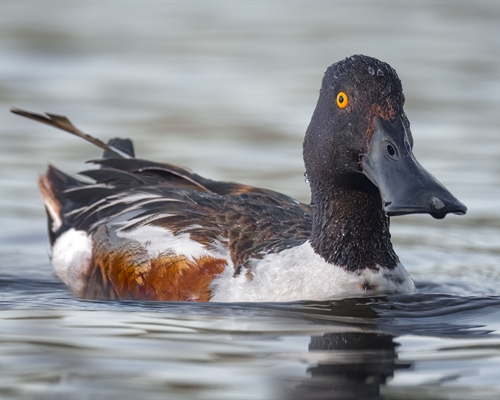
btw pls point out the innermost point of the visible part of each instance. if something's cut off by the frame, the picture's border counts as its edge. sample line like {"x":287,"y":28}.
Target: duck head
{"x":359,"y":138}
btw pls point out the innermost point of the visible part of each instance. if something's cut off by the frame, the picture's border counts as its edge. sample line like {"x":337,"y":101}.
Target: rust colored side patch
{"x":169,"y":277}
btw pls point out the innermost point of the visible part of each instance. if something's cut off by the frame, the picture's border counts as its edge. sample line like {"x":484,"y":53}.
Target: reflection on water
{"x":354,"y":365}
{"x":348,"y":349}
{"x":227,"y":89}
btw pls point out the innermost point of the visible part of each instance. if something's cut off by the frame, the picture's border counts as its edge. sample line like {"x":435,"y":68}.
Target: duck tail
{"x":112,"y":149}
{"x":55,"y":184}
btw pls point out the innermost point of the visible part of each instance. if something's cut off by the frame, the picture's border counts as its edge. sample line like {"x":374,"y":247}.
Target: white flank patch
{"x":71,"y":255}
{"x":157,"y":240}
{"x":301,"y":274}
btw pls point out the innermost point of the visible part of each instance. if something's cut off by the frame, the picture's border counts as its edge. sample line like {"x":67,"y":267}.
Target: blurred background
{"x":227,"y":89}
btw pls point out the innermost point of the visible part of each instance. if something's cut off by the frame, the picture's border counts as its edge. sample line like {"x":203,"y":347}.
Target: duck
{"x":134,"y":229}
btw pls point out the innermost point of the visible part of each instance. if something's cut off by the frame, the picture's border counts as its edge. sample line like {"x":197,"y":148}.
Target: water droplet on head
{"x":387,"y":90}
{"x":371,"y":71}
{"x":380,"y":72}
{"x":306,"y":180}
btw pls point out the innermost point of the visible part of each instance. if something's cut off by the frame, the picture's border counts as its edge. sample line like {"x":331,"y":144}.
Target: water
{"x":228,"y":89}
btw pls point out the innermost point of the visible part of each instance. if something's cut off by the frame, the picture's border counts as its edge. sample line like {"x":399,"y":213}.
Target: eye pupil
{"x":391,"y":150}
{"x":341,"y":99}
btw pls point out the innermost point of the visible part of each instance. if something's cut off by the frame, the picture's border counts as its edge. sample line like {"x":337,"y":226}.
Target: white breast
{"x":301,"y":274}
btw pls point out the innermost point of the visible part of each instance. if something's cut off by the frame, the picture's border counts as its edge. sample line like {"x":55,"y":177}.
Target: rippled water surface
{"x":228,"y":89}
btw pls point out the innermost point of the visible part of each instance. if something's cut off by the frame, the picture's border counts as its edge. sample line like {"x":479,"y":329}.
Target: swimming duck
{"x":152,"y":231}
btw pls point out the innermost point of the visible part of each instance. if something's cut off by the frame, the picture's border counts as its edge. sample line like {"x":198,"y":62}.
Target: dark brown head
{"x":359,"y":138}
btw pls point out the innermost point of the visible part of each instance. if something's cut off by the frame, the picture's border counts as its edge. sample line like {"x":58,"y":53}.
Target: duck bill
{"x":404,"y":185}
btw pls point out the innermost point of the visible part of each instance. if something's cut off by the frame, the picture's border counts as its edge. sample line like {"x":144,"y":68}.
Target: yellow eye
{"x":342,"y":100}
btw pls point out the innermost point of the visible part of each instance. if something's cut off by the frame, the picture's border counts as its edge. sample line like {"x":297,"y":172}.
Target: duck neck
{"x":350,"y":229}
